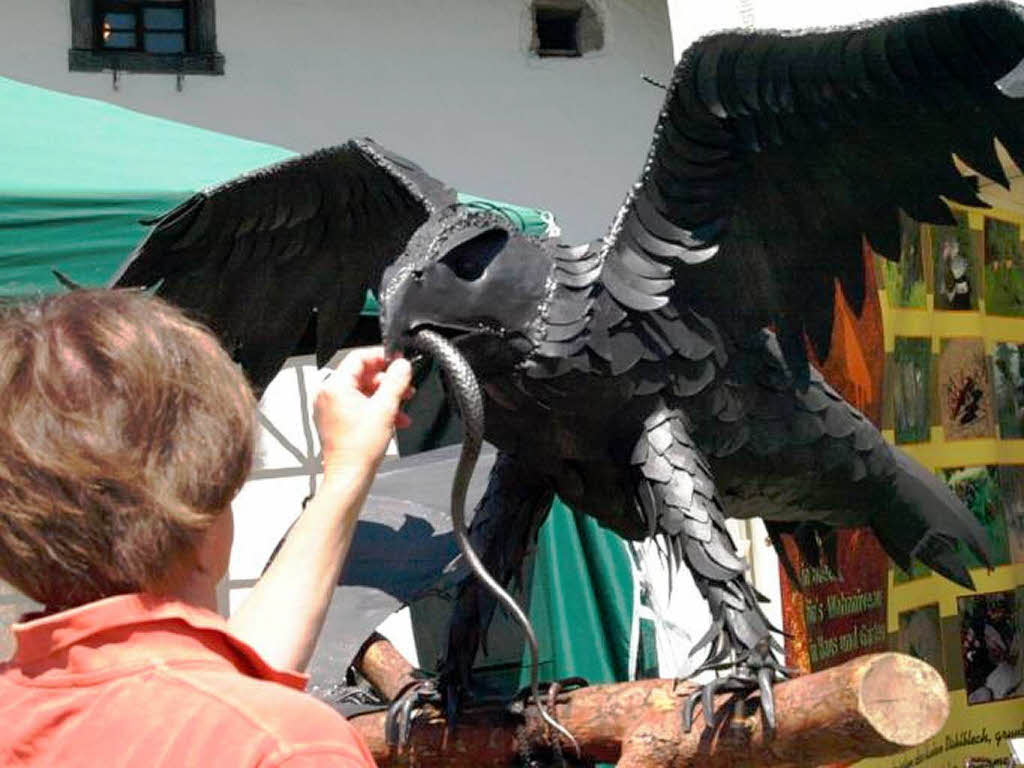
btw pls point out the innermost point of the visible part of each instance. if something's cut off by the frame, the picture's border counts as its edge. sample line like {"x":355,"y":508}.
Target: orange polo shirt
{"x":136,"y":680}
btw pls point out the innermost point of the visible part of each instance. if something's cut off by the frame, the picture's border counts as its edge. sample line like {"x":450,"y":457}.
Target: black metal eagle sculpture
{"x":656,"y":378}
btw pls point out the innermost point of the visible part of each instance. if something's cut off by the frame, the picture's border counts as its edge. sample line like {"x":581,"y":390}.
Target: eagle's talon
{"x":765,"y":680}
{"x":557,"y":687}
{"x":757,"y":670}
{"x":688,"y":710}
{"x":705,"y":697}
{"x":405,"y":707}
{"x":553,"y":689}
{"x":708,"y":701}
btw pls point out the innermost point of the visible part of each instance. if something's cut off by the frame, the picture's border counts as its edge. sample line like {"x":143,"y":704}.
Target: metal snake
{"x":469,"y":400}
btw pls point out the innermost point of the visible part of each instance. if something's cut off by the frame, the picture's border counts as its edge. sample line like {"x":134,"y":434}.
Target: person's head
{"x":125,"y":432}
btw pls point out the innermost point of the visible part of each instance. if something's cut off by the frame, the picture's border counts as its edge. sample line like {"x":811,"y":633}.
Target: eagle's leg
{"x":503,"y":531}
{"x":677,"y":496}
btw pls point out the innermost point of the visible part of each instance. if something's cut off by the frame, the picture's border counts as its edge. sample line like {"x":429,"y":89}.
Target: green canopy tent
{"x":76,"y":178}
{"x":77,"y":175}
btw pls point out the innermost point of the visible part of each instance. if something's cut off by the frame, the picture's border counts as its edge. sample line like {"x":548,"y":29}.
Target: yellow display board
{"x":953,"y":325}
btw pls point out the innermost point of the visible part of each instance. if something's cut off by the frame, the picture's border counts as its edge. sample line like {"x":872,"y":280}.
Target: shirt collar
{"x":47,"y":636}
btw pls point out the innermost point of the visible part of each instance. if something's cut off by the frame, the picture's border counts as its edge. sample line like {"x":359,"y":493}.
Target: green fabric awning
{"x":77,"y":175}
{"x":581,"y":600}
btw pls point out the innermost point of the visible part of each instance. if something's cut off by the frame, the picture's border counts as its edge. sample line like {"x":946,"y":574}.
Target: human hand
{"x":358,"y":407}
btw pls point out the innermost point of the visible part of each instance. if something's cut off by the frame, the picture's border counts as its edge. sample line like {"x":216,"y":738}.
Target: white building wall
{"x":449,"y":83}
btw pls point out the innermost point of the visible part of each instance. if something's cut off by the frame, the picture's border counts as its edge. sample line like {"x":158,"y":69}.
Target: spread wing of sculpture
{"x":657,"y":377}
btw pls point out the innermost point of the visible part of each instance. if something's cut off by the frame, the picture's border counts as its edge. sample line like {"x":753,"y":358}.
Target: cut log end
{"x":904,"y":700}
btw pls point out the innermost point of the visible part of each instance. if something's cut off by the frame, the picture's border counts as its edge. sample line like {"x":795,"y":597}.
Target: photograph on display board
{"x":980,"y":491}
{"x":1004,"y":268}
{"x":1009,"y":389}
{"x":908,"y":388}
{"x":904,"y":280}
{"x":920,"y":635}
{"x":991,"y":639}
{"x":954,"y":261}
{"x":965,"y":390}
{"x":1011,"y":492}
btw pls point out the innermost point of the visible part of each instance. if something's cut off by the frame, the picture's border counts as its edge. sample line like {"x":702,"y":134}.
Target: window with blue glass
{"x":153,"y":27}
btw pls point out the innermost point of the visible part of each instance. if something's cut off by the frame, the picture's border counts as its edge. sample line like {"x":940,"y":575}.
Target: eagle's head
{"x":471,"y":276}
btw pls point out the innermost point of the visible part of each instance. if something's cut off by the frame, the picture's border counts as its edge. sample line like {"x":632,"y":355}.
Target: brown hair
{"x":125,"y":430}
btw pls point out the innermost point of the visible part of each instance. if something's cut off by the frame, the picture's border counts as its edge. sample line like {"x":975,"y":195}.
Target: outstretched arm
{"x":355,"y":414}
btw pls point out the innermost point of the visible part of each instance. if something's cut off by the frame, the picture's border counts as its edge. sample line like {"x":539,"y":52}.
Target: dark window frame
{"x":545,"y":15}
{"x":575,"y":28}
{"x":200,"y":57}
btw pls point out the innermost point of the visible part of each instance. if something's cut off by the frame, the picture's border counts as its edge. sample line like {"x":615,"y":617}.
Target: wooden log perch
{"x":871,"y":706}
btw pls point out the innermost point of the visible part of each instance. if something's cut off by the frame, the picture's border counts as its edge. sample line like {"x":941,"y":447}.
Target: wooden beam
{"x":383,"y":666}
{"x":871,"y":706}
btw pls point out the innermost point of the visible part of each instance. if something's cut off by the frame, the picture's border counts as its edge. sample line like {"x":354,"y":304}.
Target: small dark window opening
{"x":558,"y":31}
